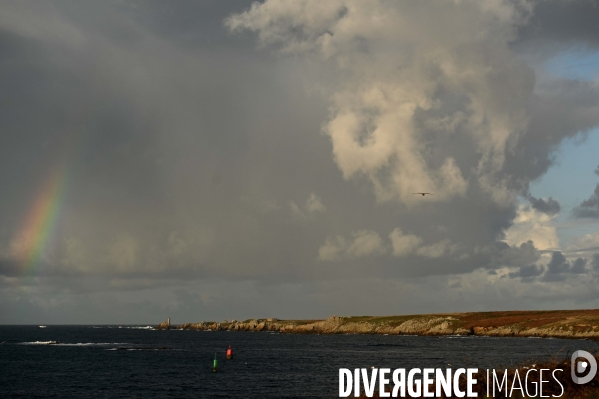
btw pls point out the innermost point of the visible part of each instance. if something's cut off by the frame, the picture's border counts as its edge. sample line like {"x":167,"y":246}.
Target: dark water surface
{"x":133,"y":362}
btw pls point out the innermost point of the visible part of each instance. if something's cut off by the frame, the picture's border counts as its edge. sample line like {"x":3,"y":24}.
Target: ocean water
{"x":140,"y":362}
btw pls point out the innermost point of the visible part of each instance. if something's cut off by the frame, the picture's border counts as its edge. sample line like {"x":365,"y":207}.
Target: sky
{"x":210,"y":160}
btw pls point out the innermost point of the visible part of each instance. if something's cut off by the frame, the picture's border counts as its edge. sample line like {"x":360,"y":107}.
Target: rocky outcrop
{"x":163,"y":326}
{"x":545,"y":332}
{"x":334,"y":325}
{"x":562,"y":324}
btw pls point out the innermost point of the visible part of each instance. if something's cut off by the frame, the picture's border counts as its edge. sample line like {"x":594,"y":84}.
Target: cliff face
{"x":562,"y":324}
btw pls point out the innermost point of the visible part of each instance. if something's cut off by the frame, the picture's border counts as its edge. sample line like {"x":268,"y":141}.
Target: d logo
{"x":589,"y":364}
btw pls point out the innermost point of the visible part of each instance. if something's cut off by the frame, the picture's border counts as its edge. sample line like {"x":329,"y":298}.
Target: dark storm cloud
{"x":566,"y":22}
{"x":491,"y":257}
{"x":549,"y":206}
{"x":167,"y":155}
{"x":558,"y":268}
{"x":9,"y":268}
{"x":560,"y":108}
{"x":177,"y":135}
{"x":595,"y":262}
{"x":558,"y":264}
{"x":528,"y":273}
{"x":588,"y":208}
{"x":195,"y":158}
{"x":579,"y":266}
{"x":505,"y":255}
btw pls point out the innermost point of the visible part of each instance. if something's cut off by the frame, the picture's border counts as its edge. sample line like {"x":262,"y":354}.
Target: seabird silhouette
{"x":423,"y":194}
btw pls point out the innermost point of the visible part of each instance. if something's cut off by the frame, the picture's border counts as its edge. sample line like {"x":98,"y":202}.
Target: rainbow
{"x":35,"y":233}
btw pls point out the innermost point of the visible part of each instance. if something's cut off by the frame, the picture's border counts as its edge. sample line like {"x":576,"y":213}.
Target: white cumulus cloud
{"x":536,"y":226}
{"x":393,"y":70}
{"x":363,"y":243}
{"x":403,"y":244}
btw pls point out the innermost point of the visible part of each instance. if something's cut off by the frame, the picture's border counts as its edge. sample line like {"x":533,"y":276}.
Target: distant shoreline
{"x":544,"y":324}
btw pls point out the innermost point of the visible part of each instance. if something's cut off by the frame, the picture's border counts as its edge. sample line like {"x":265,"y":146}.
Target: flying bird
{"x":423,"y":194}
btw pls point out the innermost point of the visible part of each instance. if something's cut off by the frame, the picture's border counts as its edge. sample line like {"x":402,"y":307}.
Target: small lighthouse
{"x":168,"y":321}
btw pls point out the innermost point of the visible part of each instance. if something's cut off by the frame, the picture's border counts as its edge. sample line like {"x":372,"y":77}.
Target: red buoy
{"x":229,"y":353}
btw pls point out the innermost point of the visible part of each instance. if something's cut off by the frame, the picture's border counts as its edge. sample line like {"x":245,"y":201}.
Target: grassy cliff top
{"x":523,"y":318}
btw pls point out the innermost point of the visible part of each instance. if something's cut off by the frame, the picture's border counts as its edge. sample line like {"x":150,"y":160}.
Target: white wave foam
{"x":127,"y":327}
{"x":92,"y":343}
{"x":57,"y":343}
{"x":458,"y":336}
{"x":42,"y":326}
{"x":138,"y":327}
{"x":40,"y":343}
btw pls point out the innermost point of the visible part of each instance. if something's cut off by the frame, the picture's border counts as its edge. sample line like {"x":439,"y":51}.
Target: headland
{"x":551,"y":323}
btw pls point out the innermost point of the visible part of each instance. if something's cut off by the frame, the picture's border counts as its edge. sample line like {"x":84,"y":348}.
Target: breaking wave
{"x":40,"y":343}
{"x":58,"y":343}
{"x":139,"y":328}
{"x":128,"y":327}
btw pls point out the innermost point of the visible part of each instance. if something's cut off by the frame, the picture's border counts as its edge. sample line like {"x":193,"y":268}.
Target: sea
{"x":141,"y":362}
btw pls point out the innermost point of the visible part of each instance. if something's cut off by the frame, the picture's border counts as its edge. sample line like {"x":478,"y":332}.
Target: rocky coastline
{"x":555,"y":324}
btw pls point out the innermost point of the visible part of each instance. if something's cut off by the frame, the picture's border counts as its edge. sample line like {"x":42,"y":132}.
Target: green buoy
{"x":214,"y":364}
